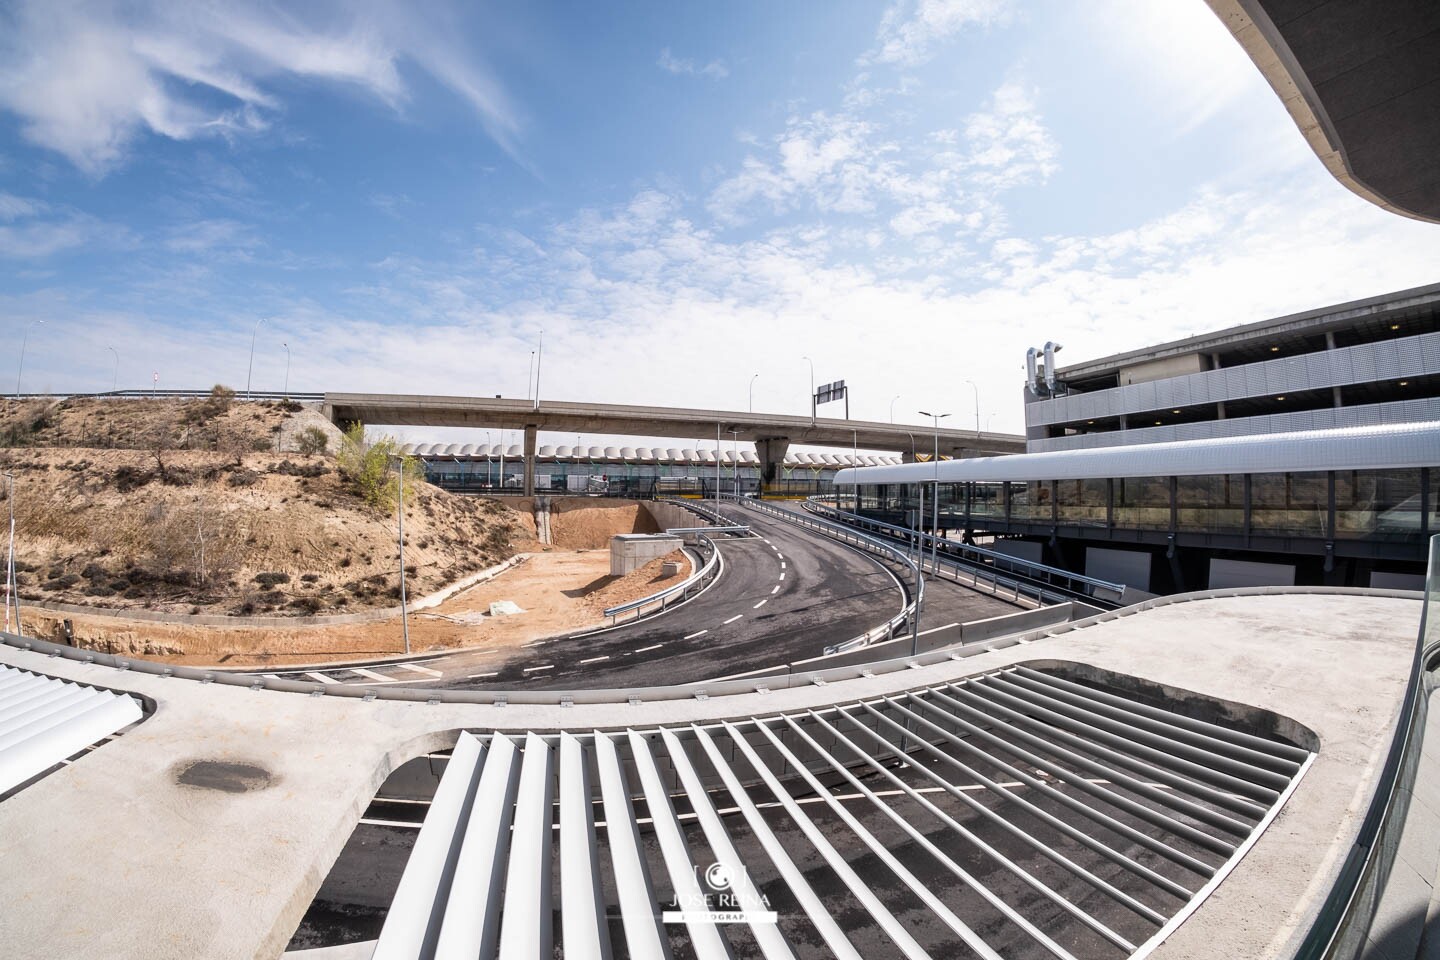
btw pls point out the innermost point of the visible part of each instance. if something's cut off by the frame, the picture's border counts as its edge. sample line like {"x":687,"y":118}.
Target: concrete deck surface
{"x":116,"y":856}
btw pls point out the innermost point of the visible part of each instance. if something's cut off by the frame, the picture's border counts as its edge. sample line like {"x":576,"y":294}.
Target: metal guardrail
{"x":908,"y":616}
{"x":167,"y":395}
{"x":679,"y":592}
{"x":1072,"y":584}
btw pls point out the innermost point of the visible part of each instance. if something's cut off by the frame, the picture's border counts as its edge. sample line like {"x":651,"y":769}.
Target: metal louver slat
{"x":44,"y":721}
{"x":632,"y":877}
{"x":582,"y":908}
{"x":525,"y":927}
{"x":471,"y":925}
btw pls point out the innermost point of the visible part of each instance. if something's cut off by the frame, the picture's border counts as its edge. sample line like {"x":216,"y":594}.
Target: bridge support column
{"x":531,"y":432}
{"x":771,"y":453}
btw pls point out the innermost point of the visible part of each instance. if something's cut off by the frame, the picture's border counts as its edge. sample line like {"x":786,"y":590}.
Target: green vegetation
{"x":368,"y":468}
{"x":312,"y":440}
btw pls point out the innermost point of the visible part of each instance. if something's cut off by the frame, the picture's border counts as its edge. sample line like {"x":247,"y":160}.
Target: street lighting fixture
{"x":23,"y":344}
{"x":251,"y":369}
{"x":892,"y":407}
{"x":115,"y":385}
{"x":812,"y":389}
{"x":935,"y":507}
{"x":977,"y":404}
{"x":752,"y":392}
{"x":735,"y":459}
{"x":11,"y":588}
{"x":400,"y":511}
{"x":287,"y":370}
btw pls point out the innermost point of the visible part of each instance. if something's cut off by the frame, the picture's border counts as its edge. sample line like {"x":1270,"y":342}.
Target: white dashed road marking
{"x":594,"y":659}
{"x":733,"y":619}
{"x":761,"y":604}
{"x":938,"y":629}
{"x":377,"y":677}
{"x":414,"y":669}
{"x":321,"y":678}
{"x":780,"y":555}
{"x":782,"y":576}
{"x":656,"y":646}
{"x":694,"y":635}
{"x":481,"y":676}
{"x":782,"y":566}
{"x":775,"y":589}
{"x":548,"y":666}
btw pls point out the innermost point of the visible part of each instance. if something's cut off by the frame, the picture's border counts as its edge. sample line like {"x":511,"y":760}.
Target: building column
{"x":1220,"y":410}
{"x":531,"y":433}
{"x":771,"y":453}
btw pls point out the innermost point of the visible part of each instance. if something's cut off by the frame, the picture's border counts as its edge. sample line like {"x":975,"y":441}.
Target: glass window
{"x":1382,"y":504}
{"x":988,"y":501}
{"x":1142,"y":503}
{"x":1081,"y":502}
{"x":1030,"y":501}
{"x":1284,"y":504}
{"x":1211,"y":504}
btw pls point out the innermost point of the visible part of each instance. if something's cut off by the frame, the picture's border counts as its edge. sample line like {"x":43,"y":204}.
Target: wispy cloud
{"x":86,"y":83}
{"x":910,"y":31}
{"x":715,"y":69}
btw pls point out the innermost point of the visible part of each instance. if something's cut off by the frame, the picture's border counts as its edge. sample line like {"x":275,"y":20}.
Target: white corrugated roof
{"x":1393,"y":446}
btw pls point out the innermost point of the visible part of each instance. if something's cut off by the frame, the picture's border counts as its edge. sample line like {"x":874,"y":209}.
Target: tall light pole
{"x":400,"y":510}
{"x":892,"y":407}
{"x":251,"y":368}
{"x":855,"y":465}
{"x":539,"y":359}
{"x":115,"y":384}
{"x":489,"y":477}
{"x":530,"y":379}
{"x":812,"y":389}
{"x":752,"y":392}
{"x":977,"y":404}
{"x":287,"y":370}
{"x":10,"y":585}
{"x":24,"y":342}
{"x":735,"y":459}
{"x":935,"y":521}
{"x":717,"y":466}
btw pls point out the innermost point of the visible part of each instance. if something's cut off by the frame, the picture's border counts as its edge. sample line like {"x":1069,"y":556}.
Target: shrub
{"x":270,"y":580}
{"x":367,"y":467}
{"x":312,"y":440}
{"x":242,"y":478}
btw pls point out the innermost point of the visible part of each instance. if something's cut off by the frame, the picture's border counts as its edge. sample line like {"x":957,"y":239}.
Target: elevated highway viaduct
{"x":771,"y":433}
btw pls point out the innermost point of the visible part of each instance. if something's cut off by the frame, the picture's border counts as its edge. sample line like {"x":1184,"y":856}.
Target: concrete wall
{"x":1024,"y":549}
{"x":668,"y":515}
{"x":1226,"y":574}
{"x":631,"y":551}
{"x":1130,"y":567}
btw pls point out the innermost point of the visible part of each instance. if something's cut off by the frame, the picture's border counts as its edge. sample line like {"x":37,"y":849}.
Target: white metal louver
{"x":1017,"y":814}
{"x":43,"y":721}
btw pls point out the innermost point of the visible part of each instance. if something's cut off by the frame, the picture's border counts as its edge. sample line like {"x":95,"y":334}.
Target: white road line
{"x":377,"y":677}
{"x":594,"y":659}
{"x":321,"y":678}
{"x":761,"y":604}
{"x":780,"y":555}
{"x":782,"y":576}
{"x":272,"y":676}
{"x":938,"y":629}
{"x":481,"y":676}
{"x":414,"y":669}
{"x":733,"y":619}
{"x":782,"y":565}
{"x":656,"y":646}
{"x":775,"y":589}
{"x":694,"y":635}
{"x":548,"y":666}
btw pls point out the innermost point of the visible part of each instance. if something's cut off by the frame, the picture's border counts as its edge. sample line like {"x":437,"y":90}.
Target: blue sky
{"x":679,"y":195}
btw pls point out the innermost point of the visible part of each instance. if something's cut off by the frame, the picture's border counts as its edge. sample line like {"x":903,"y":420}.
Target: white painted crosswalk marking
{"x":321,"y":678}
{"x":415,"y":668}
{"x":377,"y":677}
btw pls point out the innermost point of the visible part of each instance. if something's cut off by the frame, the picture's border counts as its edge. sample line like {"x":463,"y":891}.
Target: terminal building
{"x":1299,"y":450}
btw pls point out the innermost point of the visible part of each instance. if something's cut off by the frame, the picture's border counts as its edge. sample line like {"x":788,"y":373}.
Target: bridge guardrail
{"x":908,"y":616}
{"x":1073,"y":583}
{"x":158,"y":394}
{"x":683,"y":590}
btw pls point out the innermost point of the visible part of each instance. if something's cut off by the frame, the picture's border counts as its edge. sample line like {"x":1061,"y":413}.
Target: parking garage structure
{"x":1346,"y":507}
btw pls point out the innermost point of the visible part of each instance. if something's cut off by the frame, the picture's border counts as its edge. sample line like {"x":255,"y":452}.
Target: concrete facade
{"x":631,"y":551}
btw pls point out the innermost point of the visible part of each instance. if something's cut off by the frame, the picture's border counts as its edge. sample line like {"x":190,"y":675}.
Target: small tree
{"x":368,"y":466}
{"x":312,"y":440}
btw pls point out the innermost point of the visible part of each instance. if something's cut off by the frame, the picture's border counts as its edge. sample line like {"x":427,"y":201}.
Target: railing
{"x":158,"y":394}
{"x":659,"y":602}
{"x":1389,"y":869}
{"x":908,"y":616}
{"x":984,"y":562}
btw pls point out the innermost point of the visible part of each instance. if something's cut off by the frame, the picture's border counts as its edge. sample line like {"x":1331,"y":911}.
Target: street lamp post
{"x":935,"y":521}
{"x":812,"y":388}
{"x":489,"y":475}
{"x":287,"y":370}
{"x":115,"y":384}
{"x":735,"y":460}
{"x":251,"y":369}
{"x":977,"y":404}
{"x":539,"y":359}
{"x":25,"y":341}
{"x":752,"y":392}
{"x":892,"y":407}
{"x":400,"y":510}
{"x":10,"y":585}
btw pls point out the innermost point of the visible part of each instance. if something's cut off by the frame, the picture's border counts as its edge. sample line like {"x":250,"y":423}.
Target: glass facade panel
{"x":1289,"y":504}
{"x":988,"y":501}
{"x":1383,"y":504}
{"x":1030,"y":501}
{"x":1211,"y":504}
{"x":1081,"y":502}
{"x":1142,"y":503}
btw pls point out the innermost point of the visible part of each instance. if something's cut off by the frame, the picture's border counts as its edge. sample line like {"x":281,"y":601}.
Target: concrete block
{"x":631,"y":551}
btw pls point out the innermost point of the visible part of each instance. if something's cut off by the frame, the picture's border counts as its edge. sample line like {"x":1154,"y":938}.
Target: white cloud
{"x":204,"y":236}
{"x":13,"y":207}
{"x":909,"y":32}
{"x":714,"y":70}
{"x":86,"y":83}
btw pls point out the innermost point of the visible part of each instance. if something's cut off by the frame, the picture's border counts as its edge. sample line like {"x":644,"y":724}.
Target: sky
{"x":677,"y":197}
